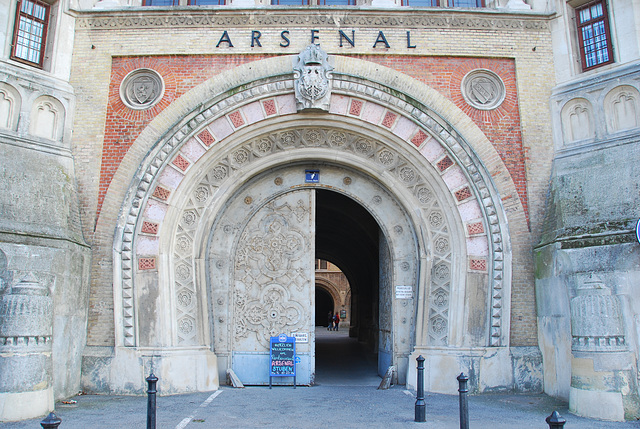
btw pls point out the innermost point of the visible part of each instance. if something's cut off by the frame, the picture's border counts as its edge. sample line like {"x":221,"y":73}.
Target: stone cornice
{"x":146,"y":18}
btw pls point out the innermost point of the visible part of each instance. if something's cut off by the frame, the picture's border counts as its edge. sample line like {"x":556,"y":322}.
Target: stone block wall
{"x":589,"y":249}
{"x":41,"y":244}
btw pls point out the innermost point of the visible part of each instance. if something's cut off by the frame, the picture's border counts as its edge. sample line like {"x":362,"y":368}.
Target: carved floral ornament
{"x":289,"y":140}
{"x":141,"y":89}
{"x":285,"y":20}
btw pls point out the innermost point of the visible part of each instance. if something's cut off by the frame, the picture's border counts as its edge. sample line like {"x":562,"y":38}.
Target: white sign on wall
{"x":301,"y":337}
{"x":404,"y":292}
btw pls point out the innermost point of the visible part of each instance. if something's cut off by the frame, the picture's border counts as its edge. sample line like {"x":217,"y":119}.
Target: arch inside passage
{"x":325,"y":303}
{"x":442,"y":247}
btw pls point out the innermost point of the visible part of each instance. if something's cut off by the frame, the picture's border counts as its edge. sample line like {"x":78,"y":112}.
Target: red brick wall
{"x":444,"y":74}
{"x":124,"y":125}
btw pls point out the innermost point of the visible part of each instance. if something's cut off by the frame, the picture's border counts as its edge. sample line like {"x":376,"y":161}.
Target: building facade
{"x":172,"y":173}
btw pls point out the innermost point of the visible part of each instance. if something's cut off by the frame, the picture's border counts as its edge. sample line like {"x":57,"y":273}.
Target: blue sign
{"x":283,"y":356}
{"x":312,"y":176}
{"x":638,"y":231}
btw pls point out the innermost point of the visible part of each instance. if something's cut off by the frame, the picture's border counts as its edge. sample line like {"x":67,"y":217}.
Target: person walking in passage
{"x":336,"y":322}
{"x":330,"y":321}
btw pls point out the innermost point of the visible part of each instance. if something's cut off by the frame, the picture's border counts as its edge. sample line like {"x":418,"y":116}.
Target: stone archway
{"x":331,"y":291}
{"x":432,"y":171}
{"x":280,"y":192}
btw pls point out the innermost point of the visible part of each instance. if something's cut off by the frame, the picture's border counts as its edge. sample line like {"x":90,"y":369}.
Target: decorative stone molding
{"x":597,"y":109}
{"x":142,"y":89}
{"x":224,"y":19}
{"x":26,"y":314}
{"x":596,"y":319}
{"x":459,"y":151}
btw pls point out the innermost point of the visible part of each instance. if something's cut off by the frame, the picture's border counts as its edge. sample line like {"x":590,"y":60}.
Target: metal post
{"x":555,"y":421}
{"x":421,"y":406}
{"x":151,"y":401}
{"x":51,"y":421}
{"x":464,"y":406}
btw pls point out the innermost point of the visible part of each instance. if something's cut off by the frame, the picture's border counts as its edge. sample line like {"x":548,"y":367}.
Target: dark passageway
{"x":348,"y":236}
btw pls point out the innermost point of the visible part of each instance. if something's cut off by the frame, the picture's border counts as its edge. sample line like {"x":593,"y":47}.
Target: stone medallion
{"x":483,"y":89}
{"x":141,"y":89}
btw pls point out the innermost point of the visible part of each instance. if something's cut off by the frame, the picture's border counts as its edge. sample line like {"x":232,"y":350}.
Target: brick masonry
{"x":501,"y":126}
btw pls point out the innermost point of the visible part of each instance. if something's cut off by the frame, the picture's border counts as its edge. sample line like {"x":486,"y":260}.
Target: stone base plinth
{"x":596,"y":404}
{"x":489,"y":369}
{"x":25,"y":405}
{"x":124,"y":370}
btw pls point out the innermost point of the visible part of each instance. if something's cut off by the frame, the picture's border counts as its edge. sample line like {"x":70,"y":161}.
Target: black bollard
{"x":151,"y":401}
{"x":421,"y":406}
{"x":555,"y":421}
{"x":464,"y":406}
{"x":51,"y":421}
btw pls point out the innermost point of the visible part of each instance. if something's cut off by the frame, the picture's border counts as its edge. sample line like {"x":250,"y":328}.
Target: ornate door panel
{"x":272,"y":293}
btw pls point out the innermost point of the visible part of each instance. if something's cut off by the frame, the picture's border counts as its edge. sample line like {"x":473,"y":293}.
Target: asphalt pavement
{"x":344,"y":396}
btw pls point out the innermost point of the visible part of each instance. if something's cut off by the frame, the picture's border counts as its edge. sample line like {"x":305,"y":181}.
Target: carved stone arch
{"x":47,"y":118}
{"x":418,"y":128}
{"x":577,"y":120}
{"x":331,"y":289}
{"x":622,"y":108}
{"x":10,"y":105}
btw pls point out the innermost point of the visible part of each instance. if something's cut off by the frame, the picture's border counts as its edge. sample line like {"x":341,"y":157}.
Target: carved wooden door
{"x":273,"y":286}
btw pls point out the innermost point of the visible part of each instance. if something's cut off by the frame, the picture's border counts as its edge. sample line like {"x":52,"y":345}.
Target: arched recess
{"x":47,"y":118}
{"x":622,"y":108}
{"x":331,"y":289}
{"x":428,"y":154}
{"x":10,"y":105}
{"x":577,"y":120}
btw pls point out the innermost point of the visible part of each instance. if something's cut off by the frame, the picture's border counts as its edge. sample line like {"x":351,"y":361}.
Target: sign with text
{"x":283,"y":356}
{"x":301,"y":337}
{"x":404,"y":292}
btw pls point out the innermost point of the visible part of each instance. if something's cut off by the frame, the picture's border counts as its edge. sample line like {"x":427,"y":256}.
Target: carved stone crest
{"x":141,"y":89}
{"x":312,"y":79}
{"x":483,"y":89}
